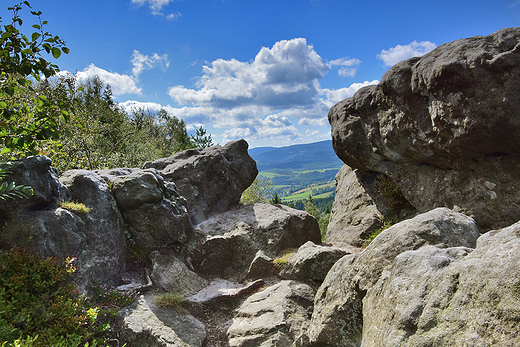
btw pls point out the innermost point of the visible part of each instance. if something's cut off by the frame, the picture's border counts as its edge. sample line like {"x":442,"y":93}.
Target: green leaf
{"x":3,"y":104}
{"x":36,"y":26}
{"x":56,"y":53}
{"x":35,"y":36}
{"x":65,"y":50}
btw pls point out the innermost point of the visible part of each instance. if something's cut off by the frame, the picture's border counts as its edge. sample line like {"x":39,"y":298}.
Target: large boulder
{"x":272,"y":317}
{"x":40,"y":224}
{"x":154,"y":212}
{"x":36,"y":172}
{"x":311,"y":263}
{"x":102,"y":256}
{"x":212,"y":179}
{"x":444,"y":127}
{"x":145,"y":324}
{"x":448,"y":297}
{"x":229,"y":241}
{"x":339,"y":300}
{"x":170,"y":274}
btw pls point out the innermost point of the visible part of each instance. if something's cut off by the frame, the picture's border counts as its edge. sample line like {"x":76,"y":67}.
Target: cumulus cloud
{"x":279,"y":77}
{"x":336,"y":95}
{"x":266,"y":97}
{"x":143,"y":62}
{"x":120,"y":84}
{"x":348,"y":67}
{"x":156,"y":6}
{"x":399,"y":53}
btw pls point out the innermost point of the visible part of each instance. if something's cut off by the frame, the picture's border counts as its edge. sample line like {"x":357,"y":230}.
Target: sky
{"x":266,"y":71}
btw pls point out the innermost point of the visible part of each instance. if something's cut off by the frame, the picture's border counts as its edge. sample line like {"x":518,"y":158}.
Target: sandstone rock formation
{"x":272,"y":317}
{"x":155,"y":214}
{"x":230,"y":241}
{"x":444,"y":127}
{"x":339,"y":301}
{"x":311,"y":263}
{"x":448,"y":297}
{"x":146,"y":324}
{"x":212,"y":179}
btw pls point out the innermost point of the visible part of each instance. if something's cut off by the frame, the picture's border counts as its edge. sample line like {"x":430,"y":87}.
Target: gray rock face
{"x":338,"y":302}
{"x":444,"y":127}
{"x":36,"y":172}
{"x":211,"y":179}
{"x":272,"y":317}
{"x":102,"y":255}
{"x":449,"y":297}
{"x":147,"y":325}
{"x":261,"y":266}
{"x":172,"y":275}
{"x":95,"y":239}
{"x":354,"y":215}
{"x":229,"y":241}
{"x":155,"y":214}
{"x":311,"y":263}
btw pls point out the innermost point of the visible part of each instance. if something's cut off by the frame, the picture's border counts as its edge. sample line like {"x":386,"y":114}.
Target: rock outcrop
{"x":444,"y":127}
{"x":272,"y":317}
{"x":311,"y":263}
{"x":338,"y":305}
{"x":212,"y":179}
{"x":146,"y":324}
{"x":230,"y":241}
{"x":155,"y":214}
{"x":448,"y":297}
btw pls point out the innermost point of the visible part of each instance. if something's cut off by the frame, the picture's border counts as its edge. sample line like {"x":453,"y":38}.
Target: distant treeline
{"x":305,"y":179}
{"x":321,"y":203}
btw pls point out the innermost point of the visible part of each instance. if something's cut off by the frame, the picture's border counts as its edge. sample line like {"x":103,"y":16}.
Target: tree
{"x":27,"y":118}
{"x":260,"y":190}
{"x":275,"y":199}
{"x":201,"y":140}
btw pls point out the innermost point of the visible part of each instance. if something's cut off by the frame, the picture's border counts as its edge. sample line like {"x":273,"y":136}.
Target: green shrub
{"x":110,"y":296}
{"x":38,"y":298}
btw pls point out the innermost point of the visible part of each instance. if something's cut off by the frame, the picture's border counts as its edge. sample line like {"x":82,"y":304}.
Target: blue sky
{"x":266,"y":71}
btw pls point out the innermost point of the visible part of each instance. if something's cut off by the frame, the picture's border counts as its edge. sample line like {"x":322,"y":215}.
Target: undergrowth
{"x":41,"y":306}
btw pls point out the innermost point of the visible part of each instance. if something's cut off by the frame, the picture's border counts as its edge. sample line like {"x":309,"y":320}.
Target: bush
{"x":39,"y":304}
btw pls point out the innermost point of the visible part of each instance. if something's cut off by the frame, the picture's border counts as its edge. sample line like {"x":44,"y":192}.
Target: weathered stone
{"x":36,"y":172}
{"x":447,"y":298}
{"x":172,"y":275}
{"x":212,"y":179}
{"x":261,"y":266}
{"x":394,"y":307}
{"x":360,"y":208}
{"x":229,"y":241}
{"x":102,"y":255}
{"x":338,"y":301}
{"x":311,"y":263}
{"x":155,"y":214}
{"x":146,"y":324}
{"x":272,"y":317}
{"x":444,"y":128}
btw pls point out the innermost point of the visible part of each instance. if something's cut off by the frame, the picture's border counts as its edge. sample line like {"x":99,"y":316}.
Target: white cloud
{"x":156,"y":6}
{"x":143,"y":62}
{"x":173,"y":16}
{"x":120,"y":84}
{"x":334,"y":96}
{"x":279,"y":77}
{"x":348,"y":67}
{"x":266,"y":98}
{"x":400,"y":53}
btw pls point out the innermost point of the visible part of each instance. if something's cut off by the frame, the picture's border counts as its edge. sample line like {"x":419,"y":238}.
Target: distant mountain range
{"x":310,"y":156}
